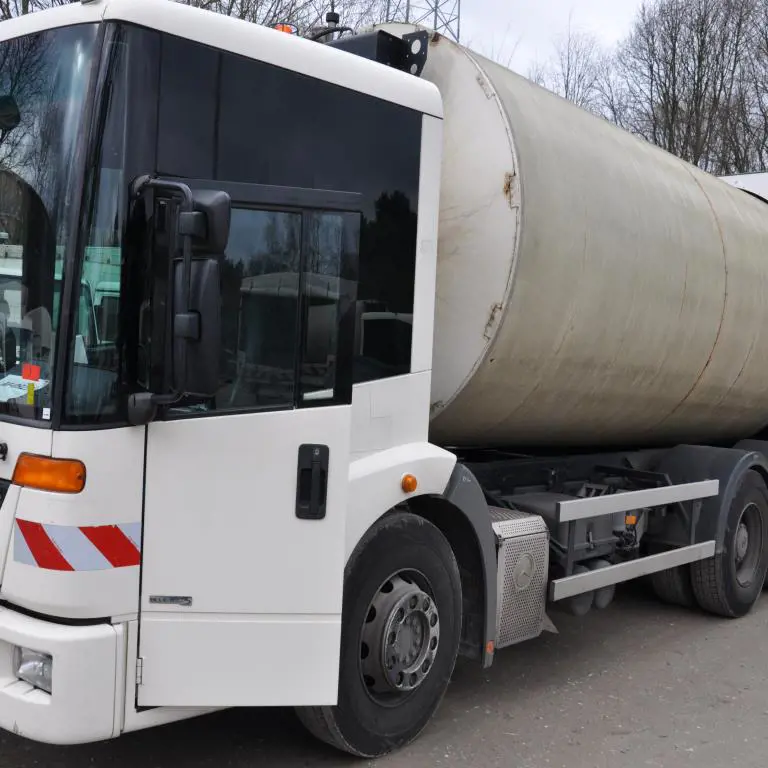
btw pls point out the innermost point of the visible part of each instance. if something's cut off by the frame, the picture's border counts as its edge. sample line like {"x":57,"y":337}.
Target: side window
{"x":95,"y":354}
{"x":249,"y":124}
{"x":288,"y":286}
{"x":387,"y":277}
{"x":331,"y":243}
{"x":376,"y":154}
{"x":260,"y":310}
{"x":187,"y":108}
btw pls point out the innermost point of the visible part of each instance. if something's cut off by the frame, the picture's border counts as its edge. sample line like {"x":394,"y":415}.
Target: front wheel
{"x":401,"y":627}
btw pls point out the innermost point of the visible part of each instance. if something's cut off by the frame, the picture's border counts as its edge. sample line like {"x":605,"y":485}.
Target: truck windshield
{"x":44,"y":81}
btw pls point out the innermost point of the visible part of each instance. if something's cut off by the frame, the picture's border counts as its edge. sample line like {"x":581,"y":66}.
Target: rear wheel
{"x":401,"y":627}
{"x":673,"y":586}
{"x":730,"y":583}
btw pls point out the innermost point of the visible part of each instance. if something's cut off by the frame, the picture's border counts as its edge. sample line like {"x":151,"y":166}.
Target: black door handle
{"x":312,"y":482}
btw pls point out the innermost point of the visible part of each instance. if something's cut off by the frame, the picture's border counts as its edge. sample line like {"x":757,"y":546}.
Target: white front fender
{"x":375,"y":483}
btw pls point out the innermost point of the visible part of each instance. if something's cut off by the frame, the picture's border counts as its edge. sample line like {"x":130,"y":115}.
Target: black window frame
{"x":376,"y":186}
{"x":140,"y":157}
{"x":271,"y":125}
{"x":71,"y":221}
{"x":303,"y":201}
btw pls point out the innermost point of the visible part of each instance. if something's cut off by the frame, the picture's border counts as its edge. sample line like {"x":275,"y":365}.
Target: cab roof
{"x":246,"y":39}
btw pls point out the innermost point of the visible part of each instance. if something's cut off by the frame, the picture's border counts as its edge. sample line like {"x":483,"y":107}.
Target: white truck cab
{"x":176,"y":515}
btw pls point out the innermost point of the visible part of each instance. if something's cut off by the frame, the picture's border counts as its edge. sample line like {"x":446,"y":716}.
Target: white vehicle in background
{"x":29,"y":336}
{"x":754,"y":183}
{"x":401,"y":353}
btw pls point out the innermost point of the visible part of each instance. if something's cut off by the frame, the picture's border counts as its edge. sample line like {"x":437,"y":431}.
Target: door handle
{"x":312,"y":482}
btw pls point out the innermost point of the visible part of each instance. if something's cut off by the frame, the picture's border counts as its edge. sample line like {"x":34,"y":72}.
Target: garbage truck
{"x":407,"y":356}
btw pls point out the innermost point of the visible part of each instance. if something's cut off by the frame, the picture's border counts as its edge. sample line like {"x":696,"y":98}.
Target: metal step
{"x":522,"y":575}
{"x":560,"y":589}
{"x":627,"y":501}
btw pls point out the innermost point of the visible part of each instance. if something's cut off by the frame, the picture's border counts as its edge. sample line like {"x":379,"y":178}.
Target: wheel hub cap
{"x":748,"y":545}
{"x":742,"y":542}
{"x":400,"y":637}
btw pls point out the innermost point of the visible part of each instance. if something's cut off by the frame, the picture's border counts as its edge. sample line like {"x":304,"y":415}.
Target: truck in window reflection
{"x":267,"y":329}
{"x":384,"y":339}
{"x":268,"y":315}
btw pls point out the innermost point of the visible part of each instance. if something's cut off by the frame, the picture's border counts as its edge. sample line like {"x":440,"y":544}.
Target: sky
{"x":520,"y":32}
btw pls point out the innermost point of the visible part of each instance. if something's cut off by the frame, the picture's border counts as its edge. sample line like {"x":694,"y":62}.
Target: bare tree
{"x":305,"y":14}
{"x":691,"y":77}
{"x":575,"y":70}
{"x":268,"y":12}
{"x":747,"y":129}
{"x":540,"y":73}
{"x":579,"y":60}
{"x":678,"y":79}
{"x":11,"y":8}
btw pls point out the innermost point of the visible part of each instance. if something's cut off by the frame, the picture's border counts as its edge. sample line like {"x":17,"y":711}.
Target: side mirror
{"x":212,"y":216}
{"x":202,"y":230}
{"x":197,"y":328}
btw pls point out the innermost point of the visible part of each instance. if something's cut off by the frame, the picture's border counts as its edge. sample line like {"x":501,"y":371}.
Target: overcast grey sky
{"x":524,"y":29}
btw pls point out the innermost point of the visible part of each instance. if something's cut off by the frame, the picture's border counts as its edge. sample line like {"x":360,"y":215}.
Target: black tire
{"x":720,"y":585}
{"x":361,"y":723}
{"x":674,"y":587}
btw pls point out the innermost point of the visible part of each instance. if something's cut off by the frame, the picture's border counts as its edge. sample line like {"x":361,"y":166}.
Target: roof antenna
{"x":332,"y":18}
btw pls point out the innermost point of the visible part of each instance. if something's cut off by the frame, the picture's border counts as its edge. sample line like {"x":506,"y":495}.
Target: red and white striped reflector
{"x":77,"y":548}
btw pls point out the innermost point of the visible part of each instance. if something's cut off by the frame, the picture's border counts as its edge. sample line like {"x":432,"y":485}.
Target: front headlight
{"x":34,"y":668}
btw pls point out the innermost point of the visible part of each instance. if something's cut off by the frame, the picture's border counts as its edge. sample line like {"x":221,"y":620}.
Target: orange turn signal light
{"x":409,"y":484}
{"x":45,"y":474}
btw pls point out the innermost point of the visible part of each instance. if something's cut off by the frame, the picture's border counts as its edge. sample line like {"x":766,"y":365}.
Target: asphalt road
{"x":639,"y":684}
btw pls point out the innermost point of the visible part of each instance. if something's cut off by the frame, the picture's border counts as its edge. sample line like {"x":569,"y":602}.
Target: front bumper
{"x":82,"y":706}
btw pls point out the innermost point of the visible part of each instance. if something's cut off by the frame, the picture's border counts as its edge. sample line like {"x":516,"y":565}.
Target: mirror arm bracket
{"x":189,"y":323}
{"x":188,"y":225}
{"x":186,"y":325}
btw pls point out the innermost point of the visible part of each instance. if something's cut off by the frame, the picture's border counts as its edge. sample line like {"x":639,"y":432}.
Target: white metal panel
{"x":756,"y":183}
{"x":22,"y":439}
{"x":221,"y":529}
{"x":71,"y":595}
{"x":220,"y":523}
{"x":114,"y":464}
{"x":286,"y":51}
{"x":426,"y":238}
{"x":81,"y":708}
{"x":7,"y":518}
{"x":375,"y":483}
{"x":61,"y":16}
{"x":130,"y":718}
{"x":390,"y":412}
{"x":225,"y":660}
{"x":246,"y":39}
{"x":95,"y":588}
{"x":19,"y":439}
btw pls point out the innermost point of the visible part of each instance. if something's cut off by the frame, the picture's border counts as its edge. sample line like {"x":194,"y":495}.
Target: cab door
{"x":245,"y":496}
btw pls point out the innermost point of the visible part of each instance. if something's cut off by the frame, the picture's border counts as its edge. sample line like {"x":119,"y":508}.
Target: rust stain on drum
{"x":495,"y":309}
{"x":509,"y":179}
